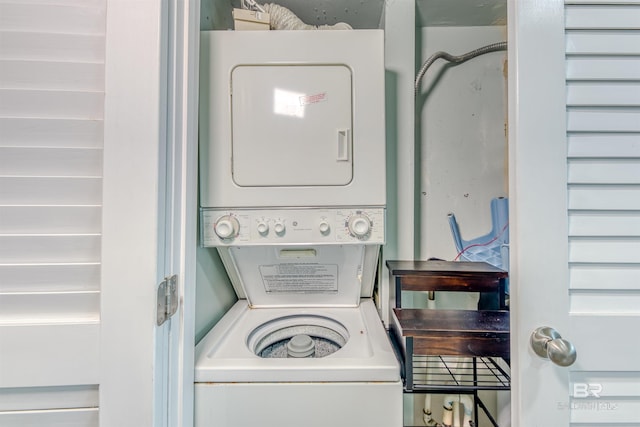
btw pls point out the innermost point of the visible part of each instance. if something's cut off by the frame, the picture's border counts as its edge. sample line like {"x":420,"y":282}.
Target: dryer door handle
{"x":344,"y":145}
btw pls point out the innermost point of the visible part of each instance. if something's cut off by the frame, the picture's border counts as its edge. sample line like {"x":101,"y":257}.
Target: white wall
{"x":463,"y":146}
{"x":463,"y":136}
{"x":214,"y":294}
{"x":463,"y":152}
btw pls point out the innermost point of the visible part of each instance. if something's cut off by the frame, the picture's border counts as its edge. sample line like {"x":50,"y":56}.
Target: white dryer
{"x":292,"y":118}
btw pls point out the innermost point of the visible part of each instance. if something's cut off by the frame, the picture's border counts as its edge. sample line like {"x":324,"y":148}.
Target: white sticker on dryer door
{"x":300,"y":278}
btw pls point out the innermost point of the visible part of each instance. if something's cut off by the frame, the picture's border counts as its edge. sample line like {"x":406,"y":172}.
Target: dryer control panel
{"x":238,"y":227}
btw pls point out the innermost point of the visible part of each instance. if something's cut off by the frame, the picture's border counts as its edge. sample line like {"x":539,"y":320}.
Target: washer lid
{"x":302,"y":276}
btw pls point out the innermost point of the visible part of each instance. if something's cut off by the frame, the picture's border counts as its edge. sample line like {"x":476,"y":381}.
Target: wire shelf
{"x":454,"y":373}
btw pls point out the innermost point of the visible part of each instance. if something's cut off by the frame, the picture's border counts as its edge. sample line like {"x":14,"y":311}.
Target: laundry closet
{"x":127,"y":290}
{"x":455,"y":163}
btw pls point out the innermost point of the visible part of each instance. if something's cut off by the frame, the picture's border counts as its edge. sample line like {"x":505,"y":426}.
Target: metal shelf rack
{"x":455,"y":374}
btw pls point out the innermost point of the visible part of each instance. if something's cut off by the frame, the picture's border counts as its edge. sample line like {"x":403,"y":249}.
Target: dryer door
{"x":291,"y":125}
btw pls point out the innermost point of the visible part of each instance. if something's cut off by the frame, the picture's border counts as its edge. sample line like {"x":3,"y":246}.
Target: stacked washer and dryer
{"x":293,"y":196}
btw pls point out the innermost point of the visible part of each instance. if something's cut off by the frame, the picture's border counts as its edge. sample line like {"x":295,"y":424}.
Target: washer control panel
{"x":237,"y":227}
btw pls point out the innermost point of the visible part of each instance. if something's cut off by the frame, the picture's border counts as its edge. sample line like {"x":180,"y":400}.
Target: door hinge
{"x":167,"y":298}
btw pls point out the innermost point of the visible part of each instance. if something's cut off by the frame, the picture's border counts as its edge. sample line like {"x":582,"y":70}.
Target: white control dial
{"x":263,"y":228}
{"x":324,"y":227}
{"x":359,"y":225}
{"x":279,"y":227}
{"x":227,"y":227}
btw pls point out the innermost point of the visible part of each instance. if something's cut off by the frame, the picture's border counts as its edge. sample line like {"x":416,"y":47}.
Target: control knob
{"x":324,"y":227}
{"x":359,"y":225}
{"x":263,"y":228}
{"x":279,"y":227}
{"x":226,"y":227}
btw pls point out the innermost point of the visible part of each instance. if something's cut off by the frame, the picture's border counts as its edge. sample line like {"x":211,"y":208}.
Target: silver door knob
{"x":548,"y":344}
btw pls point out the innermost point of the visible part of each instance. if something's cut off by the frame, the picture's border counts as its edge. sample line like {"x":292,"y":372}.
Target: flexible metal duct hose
{"x":283,"y":19}
{"x":455,"y":59}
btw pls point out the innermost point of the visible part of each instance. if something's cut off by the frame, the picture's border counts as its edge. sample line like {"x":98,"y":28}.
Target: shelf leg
{"x":409,"y":369}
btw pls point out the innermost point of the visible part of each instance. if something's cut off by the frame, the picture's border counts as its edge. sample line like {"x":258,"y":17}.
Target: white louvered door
{"x":603,"y":160}
{"x":51,"y":141}
{"x":91,"y":214}
{"x":579,"y":167}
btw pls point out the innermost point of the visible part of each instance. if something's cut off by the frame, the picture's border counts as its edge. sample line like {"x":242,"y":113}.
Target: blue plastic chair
{"x":492,"y":248}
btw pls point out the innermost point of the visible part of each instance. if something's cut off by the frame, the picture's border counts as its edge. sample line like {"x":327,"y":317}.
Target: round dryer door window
{"x":298,"y":336}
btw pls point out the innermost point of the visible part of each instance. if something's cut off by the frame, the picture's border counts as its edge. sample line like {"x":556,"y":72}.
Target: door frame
{"x":537,"y":205}
{"x":149,"y":211}
{"x":183,"y":47}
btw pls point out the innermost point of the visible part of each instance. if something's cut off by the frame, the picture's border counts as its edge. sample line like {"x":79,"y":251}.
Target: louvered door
{"x":576,"y":181}
{"x":51,"y":140}
{"x":603,"y":160}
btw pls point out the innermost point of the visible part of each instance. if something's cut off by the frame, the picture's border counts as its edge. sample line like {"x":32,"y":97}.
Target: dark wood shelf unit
{"x":432,"y":342}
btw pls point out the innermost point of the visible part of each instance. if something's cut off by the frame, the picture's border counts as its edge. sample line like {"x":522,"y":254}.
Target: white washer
{"x":227,"y":353}
{"x":245,"y":374}
{"x":357,"y":385}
